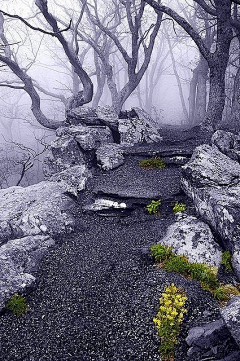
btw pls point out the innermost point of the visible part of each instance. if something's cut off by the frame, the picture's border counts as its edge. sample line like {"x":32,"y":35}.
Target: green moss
{"x":153,"y":206}
{"x":17,"y":304}
{"x":152,"y":163}
{"x":179,"y":207}
{"x":201,"y":272}
{"x":227,"y":261}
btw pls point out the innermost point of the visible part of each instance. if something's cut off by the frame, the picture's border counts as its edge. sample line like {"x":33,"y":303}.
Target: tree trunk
{"x":216,"y":95}
{"x":180,"y":89}
{"x":101,"y":79}
{"x":192,"y":96}
{"x":235,"y":112}
{"x":75,"y":82}
{"x":218,"y":64}
{"x":201,"y":95}
{"x":86,"y":95}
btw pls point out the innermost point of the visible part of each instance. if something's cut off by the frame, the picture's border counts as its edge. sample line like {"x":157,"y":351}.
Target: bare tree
{"x":217,"y":60}
{"x":27,"y":84}
{"x":140,"y":39}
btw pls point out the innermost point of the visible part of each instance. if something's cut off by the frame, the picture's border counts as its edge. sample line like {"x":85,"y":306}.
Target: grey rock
{"x":178,"y":159}
{"x":90,"y":116}
{"x":231,"y":316}
{"x":233,"y":356}
{"x":110,"y":156}
{"x":137,"y":130}
{"x":108,"y":116}
{"x":194,"y":334}
{"x":207,"y":337}
{"x":43,"y":208}
{"x":64,"y":153}
{"x":193,"y":238}
{"x":18,"y":259}
{"x":209,"y":167}
{"x":227,"y":143}
{"x":83,"y":115}
{"x":142,"y":114}
{"x":88,"y":137}
{"x":74,"y":178}
{"x":211,"y":180}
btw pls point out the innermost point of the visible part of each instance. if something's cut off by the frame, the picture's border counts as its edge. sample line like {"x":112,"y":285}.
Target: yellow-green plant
{"x":17,"y":304}
{"x":179,"y":207}
{"x":169,"y":319}
{"x":152,"y":163}
{"x":227,"y":261}
{"x":153,"y":206}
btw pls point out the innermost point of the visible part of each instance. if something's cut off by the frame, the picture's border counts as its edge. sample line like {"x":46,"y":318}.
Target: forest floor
{"x":98,"y":289}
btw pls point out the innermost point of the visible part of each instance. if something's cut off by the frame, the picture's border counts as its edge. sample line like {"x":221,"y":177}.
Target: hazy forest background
{"x":177,"y":59}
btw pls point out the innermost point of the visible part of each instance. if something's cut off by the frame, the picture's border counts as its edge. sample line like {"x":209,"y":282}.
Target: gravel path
{"x":98,"y":293}
{"x":97,"y":296}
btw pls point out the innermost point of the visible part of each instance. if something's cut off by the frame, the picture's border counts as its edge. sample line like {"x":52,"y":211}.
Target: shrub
{"x":153,"y":206}
{"x":152,"y":163}
{"x":17,"y":304}
{"x":179,"y":207}
{"x":169,"y":319}
{"x":227,"y":261}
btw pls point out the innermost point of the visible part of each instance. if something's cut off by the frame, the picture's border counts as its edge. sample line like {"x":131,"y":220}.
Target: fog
{"x":163,"y":90}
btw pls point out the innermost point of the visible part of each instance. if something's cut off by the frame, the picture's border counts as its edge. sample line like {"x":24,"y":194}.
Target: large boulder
{"x":231,"y":315}
{"x":82,"y":115}
{"x":43,"y":208}
{"x":87,"y":137}
{"x":211,"y":179}
{"x":108,"y":116}
{"x":18,"y":259}
{"x":193,"y":238}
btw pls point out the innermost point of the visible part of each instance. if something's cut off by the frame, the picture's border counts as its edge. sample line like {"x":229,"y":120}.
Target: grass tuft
{"x":152,"y":163}
{"x":153,"y":206}
{"x":179,"y":207}
{"x":17,"y":304}
{"x":227,"y":261}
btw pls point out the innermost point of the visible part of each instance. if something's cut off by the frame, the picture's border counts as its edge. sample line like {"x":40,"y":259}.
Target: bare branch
{"x":34,"y":27}
{"x":185,"y":25}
